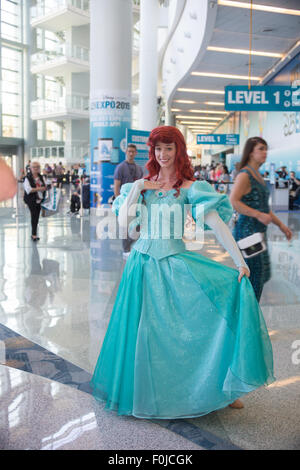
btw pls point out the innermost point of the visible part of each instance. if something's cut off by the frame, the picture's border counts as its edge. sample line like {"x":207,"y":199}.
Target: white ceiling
{"x":271,"y":32}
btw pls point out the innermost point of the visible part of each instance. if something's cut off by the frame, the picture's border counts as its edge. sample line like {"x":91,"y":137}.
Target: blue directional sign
{"x":262,"y":98}
{"x":218,"y":139}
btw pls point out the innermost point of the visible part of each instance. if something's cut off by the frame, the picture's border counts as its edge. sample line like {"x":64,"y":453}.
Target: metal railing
{"x":63,"y":51}
{"x":71,"y":151}
{"x":64,"y":104}
{"x":45,"y":7}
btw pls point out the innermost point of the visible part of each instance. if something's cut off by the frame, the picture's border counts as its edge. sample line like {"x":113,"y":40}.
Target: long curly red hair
{"x":183,"y":166}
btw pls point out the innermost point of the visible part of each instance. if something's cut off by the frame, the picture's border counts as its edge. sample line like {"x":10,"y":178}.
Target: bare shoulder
{"x":241,"y":186}
{"x":242,"y":176}
{"x":242,"y":179}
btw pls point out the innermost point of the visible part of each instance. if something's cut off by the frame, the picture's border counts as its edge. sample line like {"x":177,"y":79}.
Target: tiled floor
{"x":55,"y":301}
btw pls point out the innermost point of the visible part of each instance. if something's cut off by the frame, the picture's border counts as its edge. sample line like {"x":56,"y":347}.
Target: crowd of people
{"x":222,"y":180}
{"x":58,"y":173}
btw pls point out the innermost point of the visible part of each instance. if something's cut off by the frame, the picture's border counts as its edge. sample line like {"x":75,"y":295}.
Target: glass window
{"x":53,"y":131}
{"x":51,"y":41}
{"x":53,"y":89}
{"x":11,"y":18}
{"x":39,"y":38}
{"x":40,"y":130}
{"x":39,"y":86}
{"x":11,"y":92}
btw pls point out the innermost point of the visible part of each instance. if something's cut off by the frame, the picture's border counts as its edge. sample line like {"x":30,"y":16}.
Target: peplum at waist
{"x":159,"y":248}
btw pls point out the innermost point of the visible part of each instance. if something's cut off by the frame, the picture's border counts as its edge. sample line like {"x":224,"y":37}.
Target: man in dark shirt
{"x":127,"y":172}
{"x":294,"y":185}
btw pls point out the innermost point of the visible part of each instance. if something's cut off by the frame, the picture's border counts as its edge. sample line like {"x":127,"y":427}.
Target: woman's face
{"x":259,"y":154}
{"x":35,"y":168}
{"x":165,"y":154}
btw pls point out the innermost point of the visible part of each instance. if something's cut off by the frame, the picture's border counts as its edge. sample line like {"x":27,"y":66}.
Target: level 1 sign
{"x":218,"y":139}
{"x":262,"y":98}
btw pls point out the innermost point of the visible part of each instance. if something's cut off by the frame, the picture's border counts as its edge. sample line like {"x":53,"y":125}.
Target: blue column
{"x":110,"y":92}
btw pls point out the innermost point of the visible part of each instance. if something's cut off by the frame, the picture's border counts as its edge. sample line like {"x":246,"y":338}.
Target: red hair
{"x":183,"y":166}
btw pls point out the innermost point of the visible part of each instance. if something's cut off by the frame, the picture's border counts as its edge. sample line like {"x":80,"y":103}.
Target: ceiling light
{"x":202,"y":112}
{"x":175,"y":109}
{"x":206,"y":118}
{"x":180,"y":116}
{"x":244,"y":51}
{"x":203,"y":126}
{"x":255,"y":6}
{"x":198,"y":90}
{"x":200,"y":123}
{"x":214,"y":103}
{"x":209,"y":111}
{"x":185,"y":101}
{"x":224,"y":75}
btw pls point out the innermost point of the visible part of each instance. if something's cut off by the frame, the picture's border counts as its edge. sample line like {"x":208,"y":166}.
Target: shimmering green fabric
{"x":259,"y":265}
{"x":185,"y":337}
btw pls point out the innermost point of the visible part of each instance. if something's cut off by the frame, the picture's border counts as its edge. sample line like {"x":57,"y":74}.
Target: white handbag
{"x":252,"y":245}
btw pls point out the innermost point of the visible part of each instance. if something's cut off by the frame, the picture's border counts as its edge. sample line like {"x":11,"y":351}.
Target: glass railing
{"x":71,"y":151}
{"x":64,"y":104}
{"x":63,"y":51}
{"x":45,"y":7}
{"x":76,"y":151}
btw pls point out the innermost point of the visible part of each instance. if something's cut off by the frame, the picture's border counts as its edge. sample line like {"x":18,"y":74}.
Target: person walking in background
{"x":34,"y":194}
{"x":218,"y":171}
{"x":27,"y":167}
{"x":127,"y":172}
{"x":212,"y":174}
{"x":234,"y":172}
{"x":249,"y":197}
{"x":282,"y":173}
{"x":294,"y":189}
{"x":60,"y":171}
{"x":224,"y":178}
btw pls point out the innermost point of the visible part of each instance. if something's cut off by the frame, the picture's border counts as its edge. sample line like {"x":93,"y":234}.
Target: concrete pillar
{"x":149,"y":14}
{"x":170,"y":119}
{"x":110,"y":40}
{"x":110,"y":91}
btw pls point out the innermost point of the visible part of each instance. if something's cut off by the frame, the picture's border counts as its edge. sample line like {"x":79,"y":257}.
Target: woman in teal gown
{"x":186,"y":334}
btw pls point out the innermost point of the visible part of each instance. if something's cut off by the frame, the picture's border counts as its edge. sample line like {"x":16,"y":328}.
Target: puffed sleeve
{"x":205,"y":199}
{"x":119,"y":201}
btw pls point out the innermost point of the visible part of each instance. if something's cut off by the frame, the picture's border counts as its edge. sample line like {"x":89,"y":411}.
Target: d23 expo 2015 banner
{"x":110,"y":116}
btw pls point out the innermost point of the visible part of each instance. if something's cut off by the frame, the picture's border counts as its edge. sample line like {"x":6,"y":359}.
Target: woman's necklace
{"x":163,"y":192}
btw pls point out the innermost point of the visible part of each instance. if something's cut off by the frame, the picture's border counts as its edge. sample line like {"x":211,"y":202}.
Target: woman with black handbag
{"x":34,"y":194}
{"x":250,"y":198}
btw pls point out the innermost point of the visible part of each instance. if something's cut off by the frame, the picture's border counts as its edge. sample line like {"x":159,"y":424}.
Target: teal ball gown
{"x":185,"y":338}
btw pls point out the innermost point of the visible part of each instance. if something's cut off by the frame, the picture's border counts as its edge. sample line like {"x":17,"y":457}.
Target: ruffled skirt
{"x":185,"y":338}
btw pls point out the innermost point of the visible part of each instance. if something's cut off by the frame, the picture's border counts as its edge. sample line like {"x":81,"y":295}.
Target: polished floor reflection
{"x":56,"y":297}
